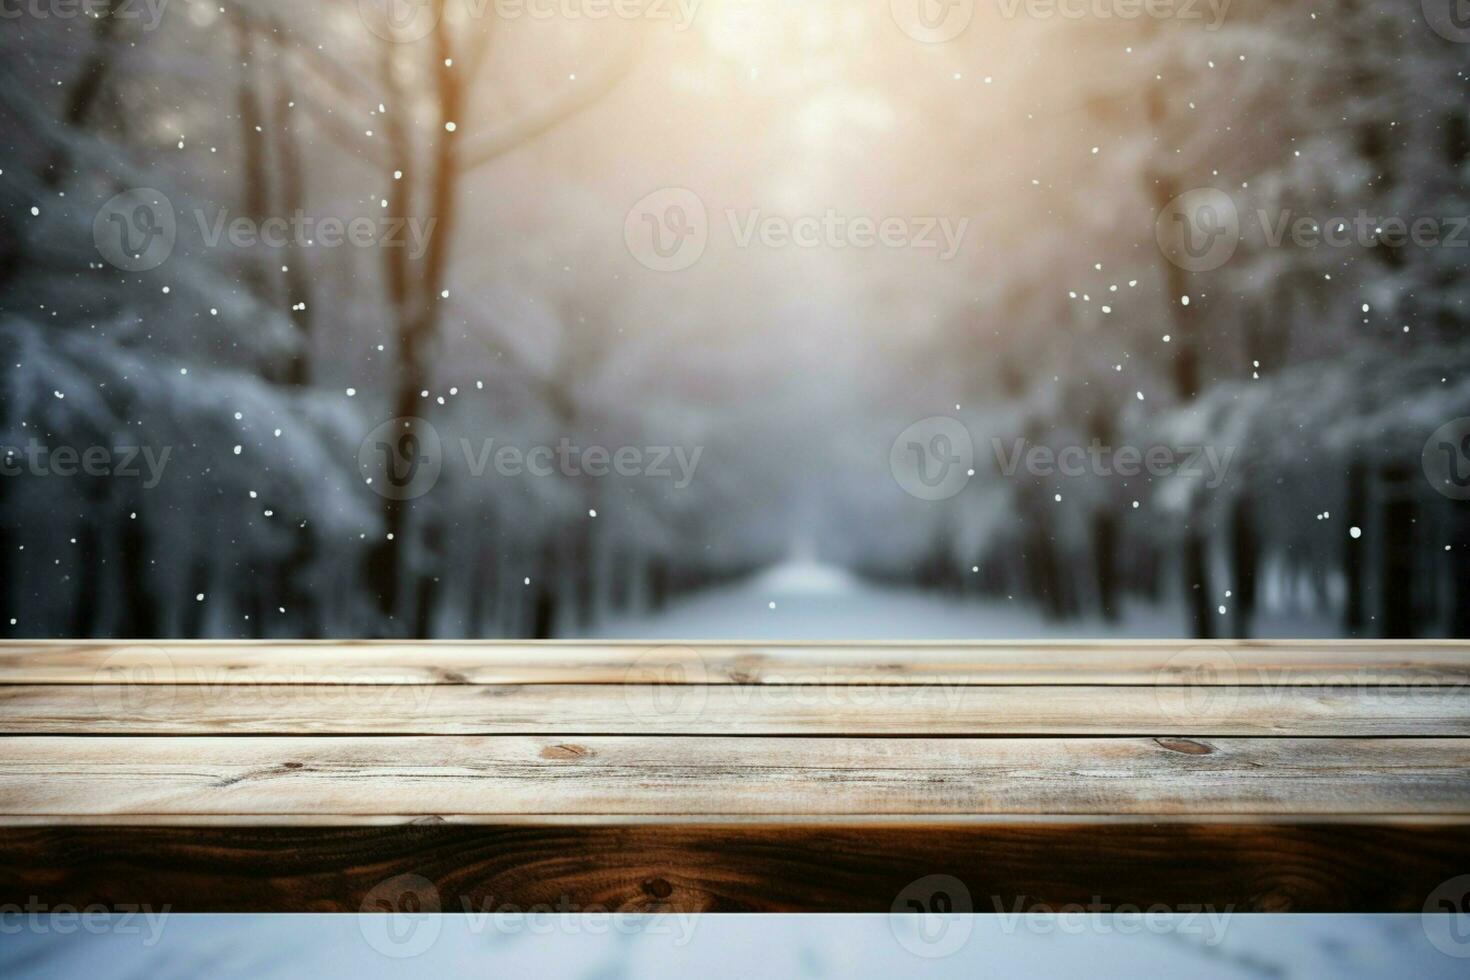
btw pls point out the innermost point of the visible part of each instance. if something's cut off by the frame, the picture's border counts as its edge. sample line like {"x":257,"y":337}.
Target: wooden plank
{"x":593,"y":709}
{"x":1228,"y":867}
{"x":693,"y":777}
{"x":1134,"y":662}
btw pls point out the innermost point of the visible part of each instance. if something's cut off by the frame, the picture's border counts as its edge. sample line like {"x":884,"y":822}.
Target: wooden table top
{"x":1263,"y":775}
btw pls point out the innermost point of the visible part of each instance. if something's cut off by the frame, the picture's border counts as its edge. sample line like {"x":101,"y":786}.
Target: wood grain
{"x":600,"y":709}
{"x":309,"y":776}
{"x":1275,"y":867}
{"x":1339,"y":662}
{"x":702,"y":777}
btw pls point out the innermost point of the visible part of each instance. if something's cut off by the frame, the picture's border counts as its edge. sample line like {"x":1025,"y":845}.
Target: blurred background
{"x":612,"y":946}
{"x":734,"y":318}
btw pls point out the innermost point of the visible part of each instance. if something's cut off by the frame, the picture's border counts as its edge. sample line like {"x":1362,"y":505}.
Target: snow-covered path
{"x":807,"y":600}
{"x":1209,"y":946}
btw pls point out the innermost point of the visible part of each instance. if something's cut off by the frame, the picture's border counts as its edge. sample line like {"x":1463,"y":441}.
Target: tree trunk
{"x":87,"y":603}
{"x":1184,"y":326}
{"x":544,"y":593}
{"x":1105,"y":558}
{"x":1396,"y":553}
{"x":297,"y":370}
{"x":86,"y":91}
{"x":254,"y":171}
{"x":1355,"y":610}
{"x":426,"y":602}
{"x":416,"y":304}
{"x":1244,"y":559}
{"x":140,"y":608}
{"x":1197,"y":583}
{"x":192,"y":622}
{"x":1459,"y":571}
{"x":1044,"y":573}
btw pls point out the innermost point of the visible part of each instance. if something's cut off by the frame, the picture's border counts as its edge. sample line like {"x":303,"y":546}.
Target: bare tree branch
{"x":579,"y":96}
{"x":344,"y":80}
{"x":343,"y":77}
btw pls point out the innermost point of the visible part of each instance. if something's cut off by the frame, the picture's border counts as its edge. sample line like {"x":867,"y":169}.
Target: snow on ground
{"x":603,"y":947}
{"x":808,"y":600}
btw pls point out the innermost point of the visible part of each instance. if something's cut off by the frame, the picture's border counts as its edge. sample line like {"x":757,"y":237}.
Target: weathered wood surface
{"x":740,"y":867}
{"x":831,"y":709}
{"x":1227,"y":663}
{"x":712,"y":777}
{"x":241,"y":776}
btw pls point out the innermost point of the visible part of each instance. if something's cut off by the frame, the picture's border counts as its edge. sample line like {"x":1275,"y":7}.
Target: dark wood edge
{"x":1295,"y":866}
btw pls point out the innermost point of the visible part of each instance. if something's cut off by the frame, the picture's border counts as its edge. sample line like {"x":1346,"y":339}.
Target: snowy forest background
{"x":527,"y":318}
